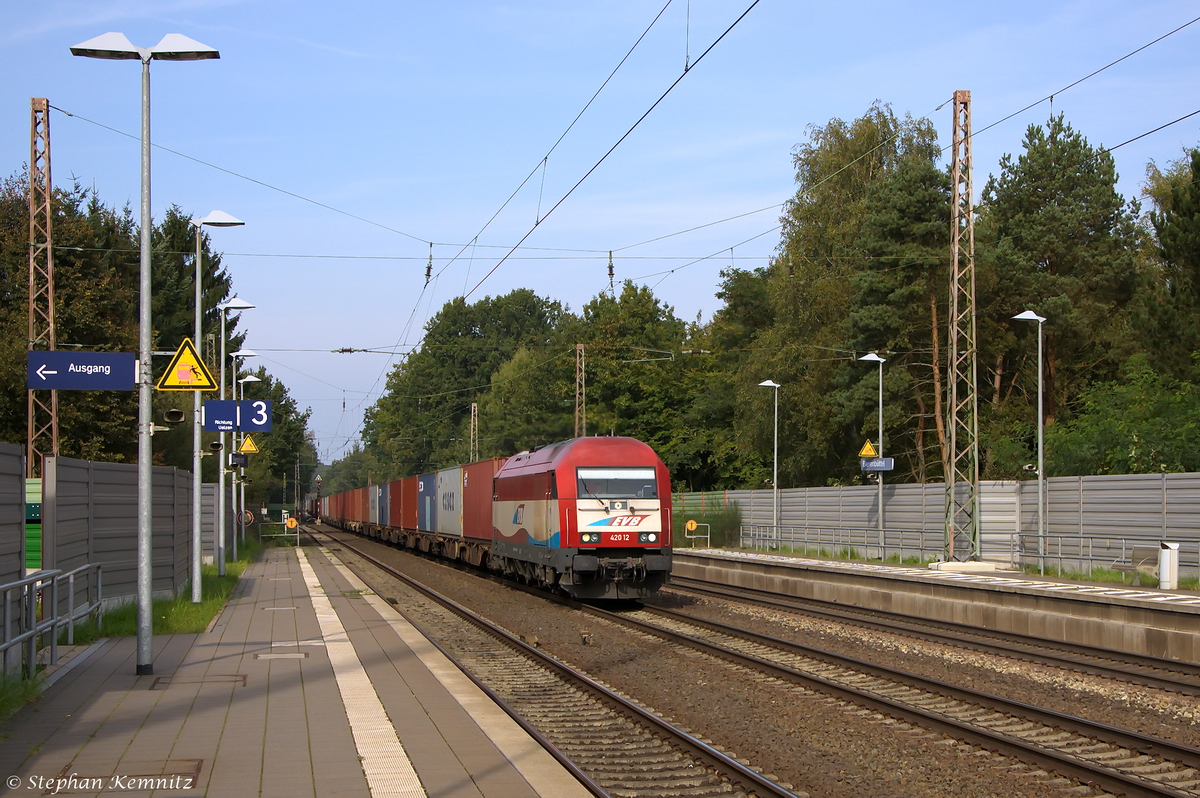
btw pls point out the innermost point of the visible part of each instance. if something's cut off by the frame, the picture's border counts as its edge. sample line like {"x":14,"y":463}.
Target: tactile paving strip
{"x":387,"y":767}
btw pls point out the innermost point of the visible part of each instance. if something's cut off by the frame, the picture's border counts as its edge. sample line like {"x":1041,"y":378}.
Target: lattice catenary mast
{"x":42,"y":411}
{"x":962,"y":450}
{"x":580,"y":393}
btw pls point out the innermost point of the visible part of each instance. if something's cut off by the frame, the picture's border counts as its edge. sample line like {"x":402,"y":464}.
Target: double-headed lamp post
{"x":240,"y":526}
{"x":1029,"y":315}
{"x":774,"y":458}
{"x":173,"y":47}
{"x":214,"y":219}
{"x":874,"y":357}
{"x":219,"y":530}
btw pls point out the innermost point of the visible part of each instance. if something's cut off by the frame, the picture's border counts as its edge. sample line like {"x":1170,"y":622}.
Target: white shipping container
{"x":450,"y":497}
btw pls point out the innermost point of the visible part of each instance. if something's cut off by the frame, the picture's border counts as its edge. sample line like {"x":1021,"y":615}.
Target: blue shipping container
{"x":381,"y":517}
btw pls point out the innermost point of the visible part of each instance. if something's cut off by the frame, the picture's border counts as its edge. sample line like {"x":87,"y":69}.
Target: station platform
{"x":1148,"y":622}
{"x":307,"y":684}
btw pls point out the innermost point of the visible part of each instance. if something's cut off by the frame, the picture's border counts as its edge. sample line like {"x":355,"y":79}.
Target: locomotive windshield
{"x":617,"y":483}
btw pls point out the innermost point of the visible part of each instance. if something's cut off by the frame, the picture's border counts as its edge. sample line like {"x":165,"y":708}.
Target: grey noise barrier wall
{"x":89,"y":515}
{"x":12,"y":535}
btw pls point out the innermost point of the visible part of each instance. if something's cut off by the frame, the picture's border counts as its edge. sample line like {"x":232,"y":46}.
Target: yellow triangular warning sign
{"x":248,"y":446}
{"x":868,"y":450}
{"x":187,"y":372}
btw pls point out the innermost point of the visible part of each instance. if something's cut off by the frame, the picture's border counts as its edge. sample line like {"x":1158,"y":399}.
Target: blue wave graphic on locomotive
{"x":620,"y":520}
{"x":519,"y":518}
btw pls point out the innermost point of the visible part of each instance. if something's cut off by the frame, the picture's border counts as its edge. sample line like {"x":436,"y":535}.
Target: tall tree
{"x":899,"y":308}
{"x":95,"y":309}
{"x":1063,"y":242}
{"x":1172,"y":315}
{"x":421,"y":421}
{"x":808,"y":350}
{"x":283,"y":449}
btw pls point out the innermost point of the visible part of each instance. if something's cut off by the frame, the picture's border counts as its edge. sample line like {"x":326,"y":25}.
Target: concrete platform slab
{"x":221,"y":711}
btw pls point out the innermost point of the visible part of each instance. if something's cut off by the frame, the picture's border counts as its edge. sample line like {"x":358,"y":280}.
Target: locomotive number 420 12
{"x":620,"y":537}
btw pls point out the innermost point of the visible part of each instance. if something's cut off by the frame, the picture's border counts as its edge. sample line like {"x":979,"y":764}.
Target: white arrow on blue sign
{"x":60,"y":370}
{"x":228,"y":415}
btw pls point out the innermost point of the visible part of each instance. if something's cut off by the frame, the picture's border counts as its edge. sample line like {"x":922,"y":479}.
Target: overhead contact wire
{"x":611,"y":149}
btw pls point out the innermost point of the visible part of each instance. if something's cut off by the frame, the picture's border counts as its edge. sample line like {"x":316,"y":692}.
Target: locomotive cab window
{"x":617,"y":483}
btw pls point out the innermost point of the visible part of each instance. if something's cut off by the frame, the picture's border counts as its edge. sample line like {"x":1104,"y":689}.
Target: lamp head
{"x":250,"y":378}
{"x":113,"y":46}
{"x":768,"y":384}
{"x":235,"y":304}
{"x":1029,"y":315}
{"x":173,"y":47}
{"x":177,"y":47}
{"x":873,"y":357}
{"x":245,"y":353}
{"x":218,"y":219}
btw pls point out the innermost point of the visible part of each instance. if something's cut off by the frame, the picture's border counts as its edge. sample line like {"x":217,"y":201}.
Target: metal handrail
{"x":32,"y":593}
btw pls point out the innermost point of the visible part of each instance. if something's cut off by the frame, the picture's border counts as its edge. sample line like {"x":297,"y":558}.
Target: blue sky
{"x":422,"y":118}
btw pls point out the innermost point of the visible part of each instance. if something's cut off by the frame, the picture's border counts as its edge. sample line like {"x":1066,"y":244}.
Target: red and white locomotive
{"x":589,"y":516}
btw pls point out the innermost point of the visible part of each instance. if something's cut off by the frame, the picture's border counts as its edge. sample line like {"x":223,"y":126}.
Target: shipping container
{"x":477,"y":498}
{"x":408,"y":510}
{"x":362,"y":511}
{"x":395,"y":502}
{"x":372,"y":504}
{"x":427,"y":506}
{"x":381,"y":516}
{"x":449,"y":499}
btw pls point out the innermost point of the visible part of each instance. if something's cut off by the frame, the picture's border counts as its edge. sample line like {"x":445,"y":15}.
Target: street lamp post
{"x":874,"y":357}
{"x":173,"y":47}
{"x":219,"y":531}
{"x":774,"y":458}
{"x":214,"y":219}
{"x":240,"y":527}
{"x":1029,"y":315}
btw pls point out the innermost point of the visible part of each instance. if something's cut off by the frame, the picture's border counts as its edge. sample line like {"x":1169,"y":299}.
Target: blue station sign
{"x":227,"y":415}
{"x":877,"y":463}
{"x":63,"y":370}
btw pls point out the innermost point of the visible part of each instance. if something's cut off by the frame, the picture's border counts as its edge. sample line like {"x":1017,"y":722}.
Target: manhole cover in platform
{"x":174,"y":774}
{"x":163,"y":682}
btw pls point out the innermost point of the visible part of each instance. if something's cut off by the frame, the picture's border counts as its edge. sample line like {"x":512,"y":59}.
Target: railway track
{"x":614,"y":746}
{"x":1158,"y":673}
{"x":1115,"y":760}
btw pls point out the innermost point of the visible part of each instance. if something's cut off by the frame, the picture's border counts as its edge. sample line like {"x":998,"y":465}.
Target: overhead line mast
{"x":961,"y":458}
{"x":41,"y":412}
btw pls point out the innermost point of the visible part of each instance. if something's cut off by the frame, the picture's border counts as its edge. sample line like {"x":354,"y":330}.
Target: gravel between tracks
{"x":823,"y":747}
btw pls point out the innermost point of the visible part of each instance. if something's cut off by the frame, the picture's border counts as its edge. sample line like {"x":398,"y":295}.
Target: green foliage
{"x":16,"y":692}
{"x":862,"y":265}
{"x":724,"y":525}
{"x":1060,"y":239}
{"x":1172,"y":308}
{"x":422,"y":420}
{"x":174,"y":616}
{"x":96,"y":269}
{"x":273,"y":470}
{"x":1143,"y":423}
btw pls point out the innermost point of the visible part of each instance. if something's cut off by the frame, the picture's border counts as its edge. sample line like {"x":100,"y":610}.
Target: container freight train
{"x":588,"y":516}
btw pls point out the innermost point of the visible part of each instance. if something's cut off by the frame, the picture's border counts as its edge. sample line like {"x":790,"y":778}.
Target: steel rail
{"x":1087,"y":772}
{"x":719,"y":761}
{"x":1182,"y":677}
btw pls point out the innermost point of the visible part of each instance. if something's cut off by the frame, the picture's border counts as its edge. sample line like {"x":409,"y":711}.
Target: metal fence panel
{"x":12,"y":537}
{"x":12,"y":513}
{"x":1090,"y":521}
{"x":89,"y":514}
{"x":208,"y":519}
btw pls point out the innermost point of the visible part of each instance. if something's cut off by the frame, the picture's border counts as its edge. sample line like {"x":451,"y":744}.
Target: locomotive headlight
{"x":590,"y":537}
{"x":648,"y":537}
